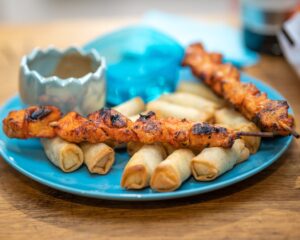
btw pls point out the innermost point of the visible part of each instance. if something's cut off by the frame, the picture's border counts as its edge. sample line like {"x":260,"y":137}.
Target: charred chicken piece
{"x":109,"y":125}
{"x":224,"y":79}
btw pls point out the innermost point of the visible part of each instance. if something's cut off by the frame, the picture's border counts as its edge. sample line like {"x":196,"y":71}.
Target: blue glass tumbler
{"x":140,"y":62}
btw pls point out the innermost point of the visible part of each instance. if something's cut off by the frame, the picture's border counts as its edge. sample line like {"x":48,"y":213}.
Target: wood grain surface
{"x":265,"y":206}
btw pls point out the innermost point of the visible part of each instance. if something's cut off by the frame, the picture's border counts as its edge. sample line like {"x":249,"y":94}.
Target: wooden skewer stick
{"x":256,"y":134}
{"x":252,"y":134}
{"x":291,"y":130}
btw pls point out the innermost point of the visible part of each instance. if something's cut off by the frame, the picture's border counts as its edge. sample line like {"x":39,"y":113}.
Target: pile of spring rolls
{"x":161,"y":166}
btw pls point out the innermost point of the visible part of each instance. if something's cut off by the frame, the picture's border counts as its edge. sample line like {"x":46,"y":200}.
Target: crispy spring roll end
{"x":104,"y":164}
{"x":241,"y":151}
{"x":173,"y":171}
{"x":135,"y":177}
{"x":98,"y":157}
{"x":139,"y":169}
{"x":203,"y":171}
{"x":165,"y":179}
{"x":67,"y":156}
{"x":70,"y":159}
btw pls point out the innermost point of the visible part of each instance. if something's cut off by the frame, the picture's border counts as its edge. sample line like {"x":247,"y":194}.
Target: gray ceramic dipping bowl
{"x":71,"y":79}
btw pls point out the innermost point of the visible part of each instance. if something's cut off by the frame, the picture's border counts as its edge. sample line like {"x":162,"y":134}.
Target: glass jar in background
{"x":261,"y":20}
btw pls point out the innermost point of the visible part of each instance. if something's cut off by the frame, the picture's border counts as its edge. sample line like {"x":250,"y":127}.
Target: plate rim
{"x":134,"y":195}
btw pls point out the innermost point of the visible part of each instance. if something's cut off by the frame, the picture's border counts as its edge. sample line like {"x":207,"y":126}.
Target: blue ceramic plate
{"x":28,"y":158}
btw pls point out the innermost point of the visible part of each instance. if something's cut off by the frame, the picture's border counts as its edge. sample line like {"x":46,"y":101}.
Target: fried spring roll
{"x":132,"y":107}
{"x":140,"y":167}
{"x":133,"y":147}
{"x":213,"y":162}
{"x":201,"y":90}
{"x":172,"y":172}
{"x":166,"y":109}
{"x":98,"y":157}
{"x":237,"y":121}
{"x":134,"y":117}
{"x":67,"y":156}
{"x":190,"y":100}
{"x":168,"y":148}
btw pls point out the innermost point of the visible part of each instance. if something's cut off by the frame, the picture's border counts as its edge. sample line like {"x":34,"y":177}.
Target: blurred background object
{"x":289,"y":39}
{"x":16,"y":11}
{"x":262,"y":20}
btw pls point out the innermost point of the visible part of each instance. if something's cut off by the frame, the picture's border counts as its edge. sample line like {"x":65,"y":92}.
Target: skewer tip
{"x":295,"y":134}
{"x":290,"y":129}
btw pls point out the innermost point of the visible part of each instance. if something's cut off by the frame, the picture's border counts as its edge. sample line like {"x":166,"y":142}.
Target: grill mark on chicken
{"x":38,"y":114}
{"x":207,"y":129}
{"x":110,"y":117}
{"x":145,"y":117}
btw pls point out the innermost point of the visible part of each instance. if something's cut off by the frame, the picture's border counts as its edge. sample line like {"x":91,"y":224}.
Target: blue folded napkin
{"x":215,"y":37}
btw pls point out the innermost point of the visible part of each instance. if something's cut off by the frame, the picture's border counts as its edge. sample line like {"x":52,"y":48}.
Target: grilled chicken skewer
{"x":108,"y":124}
{"x":269,"y":115}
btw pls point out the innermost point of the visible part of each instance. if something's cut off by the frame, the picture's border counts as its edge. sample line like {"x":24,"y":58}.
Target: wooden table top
{"x":264,"y":206}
